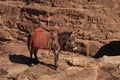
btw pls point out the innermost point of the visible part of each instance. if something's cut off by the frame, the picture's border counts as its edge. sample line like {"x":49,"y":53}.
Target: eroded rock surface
{"x":97,"y":20}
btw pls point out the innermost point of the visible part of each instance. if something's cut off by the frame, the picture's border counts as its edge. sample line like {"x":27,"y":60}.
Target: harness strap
{"x":50,"y":44}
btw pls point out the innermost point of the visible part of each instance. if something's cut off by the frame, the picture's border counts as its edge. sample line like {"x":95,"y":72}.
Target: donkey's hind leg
{"x":35,"y":55}
{"x":31,"y":57}
{"x":31,"y":52}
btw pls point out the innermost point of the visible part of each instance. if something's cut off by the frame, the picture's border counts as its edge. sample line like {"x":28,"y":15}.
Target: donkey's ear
{"x":70,"y":33}
{"x":76,"y":31}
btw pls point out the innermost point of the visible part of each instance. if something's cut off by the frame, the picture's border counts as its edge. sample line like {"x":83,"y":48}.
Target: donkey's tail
{"x":28,"y":40}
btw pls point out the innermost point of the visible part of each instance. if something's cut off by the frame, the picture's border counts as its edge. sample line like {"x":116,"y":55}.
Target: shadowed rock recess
{"x":98,"y":22}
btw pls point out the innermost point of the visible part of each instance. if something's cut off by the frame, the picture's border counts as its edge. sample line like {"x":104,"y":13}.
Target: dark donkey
{"x":44,"y":39}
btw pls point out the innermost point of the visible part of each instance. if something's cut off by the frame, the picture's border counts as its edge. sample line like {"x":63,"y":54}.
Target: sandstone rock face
{"x":98,"y":21}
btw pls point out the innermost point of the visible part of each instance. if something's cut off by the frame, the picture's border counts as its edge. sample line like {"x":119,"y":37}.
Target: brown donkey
{"x":51,"y":40}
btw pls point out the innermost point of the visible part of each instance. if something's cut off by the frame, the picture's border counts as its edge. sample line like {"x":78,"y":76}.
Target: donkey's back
{"x":40,"y":39}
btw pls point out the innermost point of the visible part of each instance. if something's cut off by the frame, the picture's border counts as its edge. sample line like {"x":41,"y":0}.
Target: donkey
{"x":42,"y":39}
{"x":51,"y":40}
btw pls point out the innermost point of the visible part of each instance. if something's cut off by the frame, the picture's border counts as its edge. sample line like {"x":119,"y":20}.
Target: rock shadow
{"x":111,"y":49}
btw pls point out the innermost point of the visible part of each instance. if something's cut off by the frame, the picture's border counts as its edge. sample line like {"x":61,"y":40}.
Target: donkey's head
{"x":68,"y":40}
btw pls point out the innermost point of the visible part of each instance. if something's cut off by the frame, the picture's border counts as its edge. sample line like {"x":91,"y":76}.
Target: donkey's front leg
{"x":56,"y":54}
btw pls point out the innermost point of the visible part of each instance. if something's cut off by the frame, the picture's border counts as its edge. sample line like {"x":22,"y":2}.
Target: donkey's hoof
{"x":36,"y":61}
{"x":56,"y":68}
{"x":31,"y":65}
